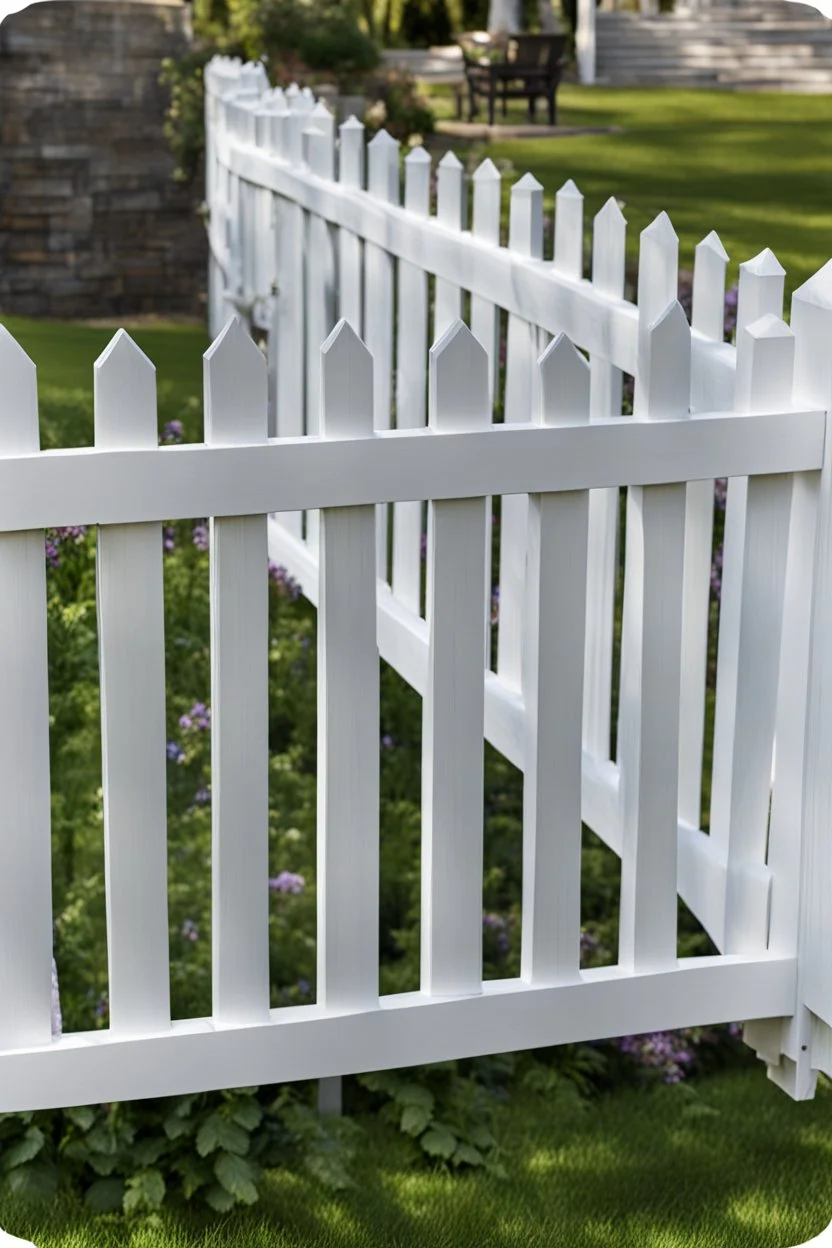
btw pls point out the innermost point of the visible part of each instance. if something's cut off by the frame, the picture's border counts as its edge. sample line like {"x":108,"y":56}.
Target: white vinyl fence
{"x":300,"y":464}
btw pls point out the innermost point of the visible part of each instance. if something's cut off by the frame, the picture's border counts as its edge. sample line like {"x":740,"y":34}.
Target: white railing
{"x":295,"y":244}
{"x":321,"y":494}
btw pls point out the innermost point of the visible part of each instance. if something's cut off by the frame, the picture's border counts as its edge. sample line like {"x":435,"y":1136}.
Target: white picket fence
{"x":300,"y":465}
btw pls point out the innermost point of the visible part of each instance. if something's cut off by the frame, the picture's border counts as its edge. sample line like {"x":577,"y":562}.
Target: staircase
{"x":777,"y":46}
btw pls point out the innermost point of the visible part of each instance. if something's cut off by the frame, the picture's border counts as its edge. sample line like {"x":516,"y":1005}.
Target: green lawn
{"x":736,"y":1166}
{"x":757,"y":168}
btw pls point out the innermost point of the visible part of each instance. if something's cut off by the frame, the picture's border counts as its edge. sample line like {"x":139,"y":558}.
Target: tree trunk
{"x":549,"y":24}
{"x":503,"y":16}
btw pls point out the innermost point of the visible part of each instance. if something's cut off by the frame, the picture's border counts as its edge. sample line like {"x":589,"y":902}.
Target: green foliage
{"x":399,"y":108}
{"x":184,"y":125}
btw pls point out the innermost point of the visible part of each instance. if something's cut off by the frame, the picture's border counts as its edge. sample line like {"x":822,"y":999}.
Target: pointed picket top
{"x":417,"y":166}
{"x":525,"y":228}
{"x":450,"y":161}
{"x":235,"y":380}
{"x":19,"y":429}
{"x":459,"y":397}
{"x":817,"y":290}
{"x":708,"y":307}
{"x":764,"y":264}
{"x":487,"y":171}
{"x":564,"y":384}
{"x":811,"y":320}
{"x":713,"y":243}
{"x":383,"y":181}
{"x":124,"y":384}
{"x":761,"y":288}
{"x":351,"y":153}
{"x":569,"y":231}
{"x":765,"y":366}
{"x":321,"y":110}
{"x":658,"y":270}
{"x":346,"y":385}
{"x":487,"y":202}
{"x":569,"y":191}
{"x":609,"y":247}
{"x":450,"y":192}
{"x":666,"y":392}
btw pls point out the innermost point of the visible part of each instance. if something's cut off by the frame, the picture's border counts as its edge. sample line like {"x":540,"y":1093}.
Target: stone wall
{"x":91,"y":222}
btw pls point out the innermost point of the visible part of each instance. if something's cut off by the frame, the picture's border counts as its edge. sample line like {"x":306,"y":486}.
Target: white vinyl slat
{"x":290,"y":317}
{"x":235,"y":411}
{"x":608,"y":269}
{"x":521,"y":398}
{"x":651,"y":671}
{"x":453,"y":705}
{"x":765,"y":370}
{"x":555,"y":623}
{"x":569,"y":231}
{"x":319,"y":141}
{"x":451,"y":212}
{"x":350,"y":246}
{"x":761,"y":292}
{"x":382,"y":184}
{"x":707,"y":317}
{"x":25,"y":845}
{"x":411,"y":383}
{"x":348,"y":706}
{"x":131,"y":643}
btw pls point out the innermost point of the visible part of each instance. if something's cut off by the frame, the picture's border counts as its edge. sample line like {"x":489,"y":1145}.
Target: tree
{"x":504,"y":16}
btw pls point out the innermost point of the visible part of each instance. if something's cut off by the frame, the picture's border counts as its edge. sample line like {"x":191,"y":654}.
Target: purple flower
{"x":52,"y":556}
{"x":495,"y":604}
{"x":168,"y":538}
{"x":716,"y":574}
{"x":200,"y":535}
{"x":101,"y":1008}
{"x":720,"y":493}
{"x":175,"y":752}
{"x":172,"y":432}
{"x":71,"y":533}
{"x":284,"y":582}
{"x":287,"y":882}
{"x":303,"y":986}
{"x":387,"y":742}
{"x":730,"y":323}
{"x":589,"y":943}
{"x":198,"y":718}
{"x":190,"y":930}
{"x":423,"y":547}
{"x":202,"y":796}
{"x":668,"y":1051}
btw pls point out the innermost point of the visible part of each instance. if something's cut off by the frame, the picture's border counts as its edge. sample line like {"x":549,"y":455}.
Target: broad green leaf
{"x":36,"y":1180}
{"x":218,"y":1198}
{"x":145,"y":1191}
{"x":415,"y":1119}
{"x":148,"y":1152}
{"x":481,"y":1136}
{"x":439,"y":1142}
{"x":25,"y":1149}
{"x":247,"y":1114}
{"x":237,"y":1177}
{"x":414,"y":1094}
{"x":194,"y":1173}
{"x":217,"y":1132}
{"x":105,"y":1196}
{"x":175,"y":1127}
{"x":103,"y":1140}
{"x":82,"y":1115}
{"x":467,"y":1155}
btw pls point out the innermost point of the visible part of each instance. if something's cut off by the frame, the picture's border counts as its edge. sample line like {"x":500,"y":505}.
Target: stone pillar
{"x":91,"y":222}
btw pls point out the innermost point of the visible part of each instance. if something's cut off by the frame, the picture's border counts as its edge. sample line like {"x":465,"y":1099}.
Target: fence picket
{"x":319,"y":139}
{"x":25,"y":846}
{"x":651,"y":671}
{"x":707,"y":317}
{"x":131,"y":642}
{"x":453,"y":707}
{"x":522,"y":350}
{"x":351,"y":175}
{"x":608,"y":267}
{"x":451,"y":211}
{"x":555,"y":624}
{"x":382,"y":184}
{"x":411,"y":384}
{"x":569,"y":231}
{"x":348,"y":705}
{"x":235,"y":412}
{"x":290,"y":305}
{"x":760,"y":291}
{"x":765,"y":368}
